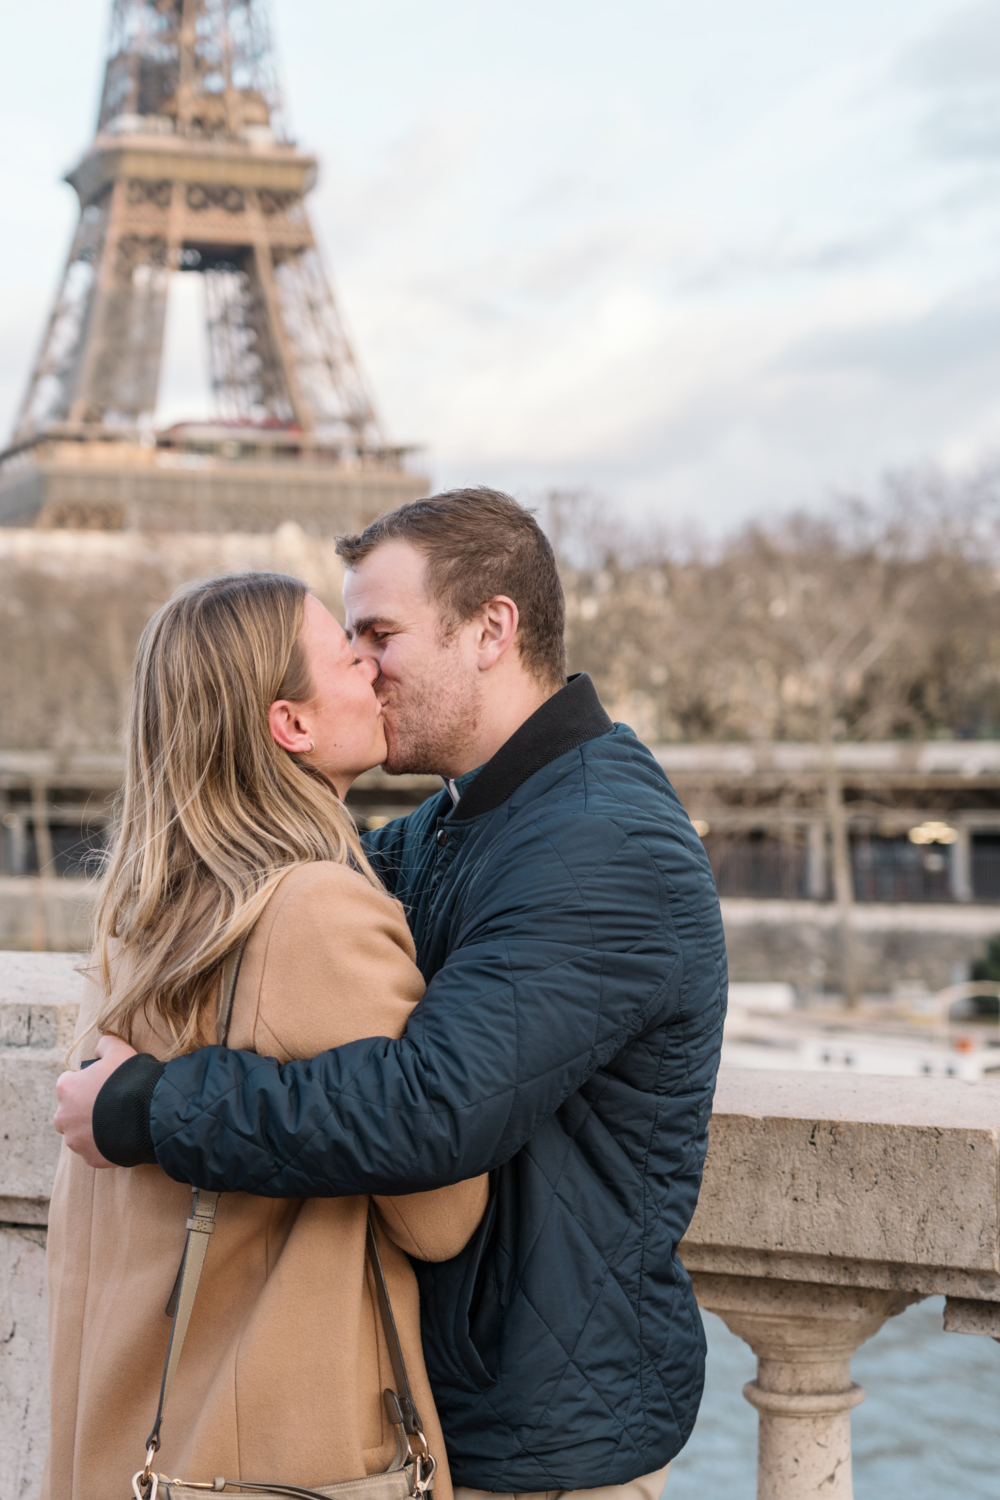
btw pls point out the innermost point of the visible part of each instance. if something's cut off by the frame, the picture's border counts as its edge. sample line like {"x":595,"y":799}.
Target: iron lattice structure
{"x":192,"y":170}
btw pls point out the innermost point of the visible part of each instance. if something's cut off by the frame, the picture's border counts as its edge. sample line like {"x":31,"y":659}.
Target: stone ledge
{"x":24,"y":1213}
{"x":39,"y":999}
{"x":963,"y":1315}
{"x":982,"y":1287}
{"x":891,"y":1172}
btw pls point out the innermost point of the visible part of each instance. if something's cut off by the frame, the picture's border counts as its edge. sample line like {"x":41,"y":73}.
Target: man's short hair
{"x":480,"y":543}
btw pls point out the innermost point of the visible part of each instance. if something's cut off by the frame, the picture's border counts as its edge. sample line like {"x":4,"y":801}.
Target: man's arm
{"x":570,"y":952}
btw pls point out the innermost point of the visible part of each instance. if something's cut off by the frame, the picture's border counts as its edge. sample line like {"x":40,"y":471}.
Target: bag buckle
{"x":424,"y":1470}
{"x":145,"y":1482}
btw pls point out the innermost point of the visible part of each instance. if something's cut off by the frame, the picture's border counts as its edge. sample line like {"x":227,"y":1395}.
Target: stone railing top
{"x":40,"y":994}
{"x":864,"y":1181}
{"x":860,"y":1098}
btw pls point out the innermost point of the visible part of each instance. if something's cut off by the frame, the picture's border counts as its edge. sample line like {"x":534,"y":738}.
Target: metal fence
{"x":986,"y":867}
{"x":758,"y":865}
{"x":762,"y":865}
{"x":893,"y":869}
{"x":77,"y":851}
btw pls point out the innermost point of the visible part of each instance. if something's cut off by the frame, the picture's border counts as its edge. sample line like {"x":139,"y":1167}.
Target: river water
{"x":929,"y":1428}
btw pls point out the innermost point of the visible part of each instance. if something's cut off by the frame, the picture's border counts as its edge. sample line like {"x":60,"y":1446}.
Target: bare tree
{"x":71,"y":615}
{"x":871,"y":621}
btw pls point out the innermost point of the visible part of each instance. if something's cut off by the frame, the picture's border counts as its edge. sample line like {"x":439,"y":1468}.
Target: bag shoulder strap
{"x":199,"y":1226}
{"x":399,"y":1404}
{"x":227,"y":989}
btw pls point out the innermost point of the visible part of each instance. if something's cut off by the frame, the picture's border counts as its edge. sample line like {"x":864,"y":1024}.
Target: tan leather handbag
{"x":412,"y":1472}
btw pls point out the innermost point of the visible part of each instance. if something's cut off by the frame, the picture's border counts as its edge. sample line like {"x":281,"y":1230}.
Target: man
{"x":568,"y":929}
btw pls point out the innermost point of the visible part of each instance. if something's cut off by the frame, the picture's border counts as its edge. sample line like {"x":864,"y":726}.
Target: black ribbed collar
{"x":569,"y":718}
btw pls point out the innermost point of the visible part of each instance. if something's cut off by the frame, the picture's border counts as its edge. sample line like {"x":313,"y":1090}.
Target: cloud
{"x":962,"y":50}
{"x":960,"y":335}
{"x":957,"y":67}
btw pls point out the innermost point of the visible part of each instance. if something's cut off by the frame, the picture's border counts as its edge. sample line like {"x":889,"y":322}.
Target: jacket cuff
{"x":121,"y":1112}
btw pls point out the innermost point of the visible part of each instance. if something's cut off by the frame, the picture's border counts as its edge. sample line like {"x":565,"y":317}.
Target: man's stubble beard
{"x":431,"y":722}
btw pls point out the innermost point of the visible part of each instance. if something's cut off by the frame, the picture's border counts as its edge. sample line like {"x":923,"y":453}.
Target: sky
{"x":705,"y":262}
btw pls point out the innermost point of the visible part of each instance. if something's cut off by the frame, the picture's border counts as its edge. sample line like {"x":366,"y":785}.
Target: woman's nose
{"x":371,"y":668}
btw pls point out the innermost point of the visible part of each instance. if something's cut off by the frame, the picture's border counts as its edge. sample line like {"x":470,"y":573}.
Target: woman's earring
{"x":312,"y":745}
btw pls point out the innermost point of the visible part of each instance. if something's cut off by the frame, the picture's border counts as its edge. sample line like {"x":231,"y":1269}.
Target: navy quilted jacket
{"x":568,"y":928}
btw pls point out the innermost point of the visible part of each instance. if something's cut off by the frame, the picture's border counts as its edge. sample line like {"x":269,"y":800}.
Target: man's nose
{"x":365,"y":651}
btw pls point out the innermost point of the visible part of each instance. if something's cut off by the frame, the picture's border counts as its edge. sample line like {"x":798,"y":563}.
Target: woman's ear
{"x":289,"y":727}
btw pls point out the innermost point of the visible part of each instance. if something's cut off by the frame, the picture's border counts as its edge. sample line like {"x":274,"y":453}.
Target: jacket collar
{"x":569,"y":718}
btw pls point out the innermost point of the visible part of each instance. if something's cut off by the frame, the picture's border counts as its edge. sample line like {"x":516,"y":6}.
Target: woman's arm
{"x":438,"y":1224}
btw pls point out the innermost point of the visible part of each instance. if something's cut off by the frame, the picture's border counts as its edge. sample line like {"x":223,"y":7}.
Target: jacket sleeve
{"x":568,"y":948}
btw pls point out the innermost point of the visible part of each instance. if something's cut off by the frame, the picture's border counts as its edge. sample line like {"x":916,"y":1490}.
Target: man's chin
{"x":409,"y":760}
{"x":397,"y":763}
{"x":395,"y":760}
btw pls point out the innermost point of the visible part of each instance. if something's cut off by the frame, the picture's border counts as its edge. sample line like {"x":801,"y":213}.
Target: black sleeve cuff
{"x":121,"y":1112}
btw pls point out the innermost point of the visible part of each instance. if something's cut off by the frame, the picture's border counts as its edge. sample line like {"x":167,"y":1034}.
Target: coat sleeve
{"x":568,"y":948}
{"x":435,"y":1225}
{"x":331,"y":960}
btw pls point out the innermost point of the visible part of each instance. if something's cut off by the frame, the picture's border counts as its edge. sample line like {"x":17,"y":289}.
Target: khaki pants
{"x":649,"y":1487}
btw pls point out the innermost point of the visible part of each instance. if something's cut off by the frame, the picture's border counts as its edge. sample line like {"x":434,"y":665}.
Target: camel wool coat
{"x":285,"y":1361}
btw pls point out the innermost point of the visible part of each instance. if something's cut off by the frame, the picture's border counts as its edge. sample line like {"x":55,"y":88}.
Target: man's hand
{"x":76,"y":1092}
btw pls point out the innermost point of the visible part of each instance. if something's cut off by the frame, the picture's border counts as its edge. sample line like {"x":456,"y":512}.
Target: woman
{"x":251,"y":717}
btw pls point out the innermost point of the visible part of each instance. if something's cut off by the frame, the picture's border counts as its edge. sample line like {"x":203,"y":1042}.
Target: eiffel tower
{"x":191,"y":170}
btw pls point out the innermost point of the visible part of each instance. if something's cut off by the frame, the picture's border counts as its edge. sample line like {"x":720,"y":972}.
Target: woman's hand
{"x":76,"y":1092}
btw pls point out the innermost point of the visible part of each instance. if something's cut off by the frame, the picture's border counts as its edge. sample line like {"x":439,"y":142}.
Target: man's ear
{"x":498,"y":627}
{"x":289,"y":726}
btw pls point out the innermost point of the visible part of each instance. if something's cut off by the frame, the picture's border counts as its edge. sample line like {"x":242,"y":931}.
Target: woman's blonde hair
{"x":212,"y":812}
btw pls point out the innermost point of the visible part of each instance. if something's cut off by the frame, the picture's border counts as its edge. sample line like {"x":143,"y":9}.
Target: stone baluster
{"x":803,"y":1336}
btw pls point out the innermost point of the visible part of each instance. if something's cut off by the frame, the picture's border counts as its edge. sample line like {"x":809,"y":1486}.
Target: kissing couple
{"x":441,"y":1091}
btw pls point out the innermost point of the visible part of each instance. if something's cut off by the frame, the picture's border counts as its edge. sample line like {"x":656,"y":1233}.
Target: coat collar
{"x":569,"y":718}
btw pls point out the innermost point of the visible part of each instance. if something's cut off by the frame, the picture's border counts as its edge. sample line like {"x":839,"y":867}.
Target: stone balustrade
{"x":830,"y":1203}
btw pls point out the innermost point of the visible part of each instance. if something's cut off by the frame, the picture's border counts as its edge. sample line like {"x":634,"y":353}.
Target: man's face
{"x":430,"y":683}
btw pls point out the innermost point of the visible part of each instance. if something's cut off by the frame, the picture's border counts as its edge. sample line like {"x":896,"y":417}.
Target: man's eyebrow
{"x":362,"y":626}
